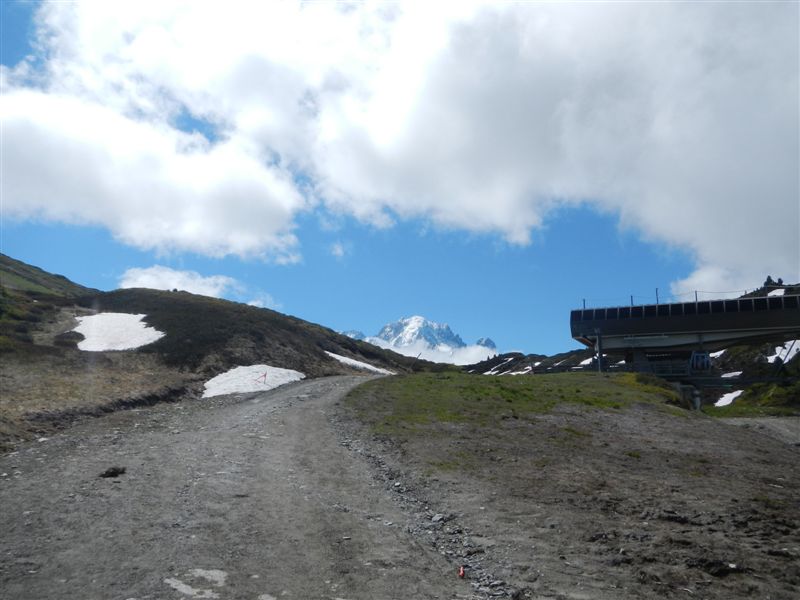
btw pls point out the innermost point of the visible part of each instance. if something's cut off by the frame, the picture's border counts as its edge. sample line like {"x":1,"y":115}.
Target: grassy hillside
{"x":29,"y":297}
{"x":583,"y":485}
{"x":22,"y":312}
{"x":419,"y":403}
{"x":16,"y":275}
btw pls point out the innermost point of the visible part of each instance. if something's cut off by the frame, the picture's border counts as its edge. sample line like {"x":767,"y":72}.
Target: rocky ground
{"x":584,"y":503}
{"x":239,"y":497}
{"x":287,"y":495}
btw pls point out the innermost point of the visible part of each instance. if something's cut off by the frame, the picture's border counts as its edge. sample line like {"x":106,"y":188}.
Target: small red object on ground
{"x":461,"y":572}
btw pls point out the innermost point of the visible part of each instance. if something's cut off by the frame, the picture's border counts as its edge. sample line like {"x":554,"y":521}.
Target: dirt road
{"x":233,"y":498}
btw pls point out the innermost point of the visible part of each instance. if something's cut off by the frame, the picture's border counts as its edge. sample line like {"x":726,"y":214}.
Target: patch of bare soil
{"x":585,"y":503}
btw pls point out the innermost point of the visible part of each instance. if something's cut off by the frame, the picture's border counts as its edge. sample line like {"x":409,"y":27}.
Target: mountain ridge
{"x":420,"y":337}
{"x":48,"y":380}
{"x":408,"y":330}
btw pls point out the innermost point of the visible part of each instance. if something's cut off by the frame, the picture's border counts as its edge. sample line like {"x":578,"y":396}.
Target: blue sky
{"x":350,"y":200}
{"x":480,"y":285}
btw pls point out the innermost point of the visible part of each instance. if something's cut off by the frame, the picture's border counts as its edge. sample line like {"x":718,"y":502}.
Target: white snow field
{"x":115,"y":331}
{"x":255,"y":378}
{"x":728,"y":398}
{"x":358,"y":364}
{"x":778,"y":292}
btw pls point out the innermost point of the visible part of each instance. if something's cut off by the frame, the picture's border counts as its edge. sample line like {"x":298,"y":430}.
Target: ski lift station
{"x":676,"y":338}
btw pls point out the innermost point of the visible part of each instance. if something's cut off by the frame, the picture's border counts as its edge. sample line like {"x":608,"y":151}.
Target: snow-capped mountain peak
{"x":418,"y":337}
{"x":411,"y":330}
{"x":486,"y":343}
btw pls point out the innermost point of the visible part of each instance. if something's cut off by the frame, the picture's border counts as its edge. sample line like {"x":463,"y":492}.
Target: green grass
{"x":17,"y":275}
{"x":14,"y":281}
{"x":422,"y":402}
{"x":28,"y":296}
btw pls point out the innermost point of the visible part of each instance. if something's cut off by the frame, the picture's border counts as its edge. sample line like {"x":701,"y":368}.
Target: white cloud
{"x":158,"y":277}
{"x":680,"y":117}
{"x":466,"y":355}
{"x":265,"y":301}
{"x":338,"y":250}
{"x":152,"y":186}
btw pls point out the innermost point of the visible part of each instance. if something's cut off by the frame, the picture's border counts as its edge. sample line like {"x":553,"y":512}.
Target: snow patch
{"x":717,"y":354}
{"x":358,"y":364}
{"x":255,"y":378}
{"x":786,"y":352}
{"x":115,"y":331}
{"x":778,"y":292}
{"x":728,"y":398}
{"x":732,"y":374}
{"x":496,"y":369}
{"x":587,"y":361}
{"x":524,"y":371}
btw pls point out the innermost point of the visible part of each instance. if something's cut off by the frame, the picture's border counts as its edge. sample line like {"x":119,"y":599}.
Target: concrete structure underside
{"x":679,"y":332}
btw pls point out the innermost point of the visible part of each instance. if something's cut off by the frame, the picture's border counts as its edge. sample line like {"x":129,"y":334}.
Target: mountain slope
{"x":19,"y":276}
{"x":46,"y":379}
{"x":209,"y":335}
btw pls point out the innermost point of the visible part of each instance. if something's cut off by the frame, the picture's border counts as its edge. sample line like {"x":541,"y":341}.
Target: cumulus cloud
{"x":159,"y":277}
{"x":154,"y":187}
{"x":681,"y":118}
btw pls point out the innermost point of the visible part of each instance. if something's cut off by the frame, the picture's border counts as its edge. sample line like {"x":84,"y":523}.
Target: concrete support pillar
{"x":598,"y":348}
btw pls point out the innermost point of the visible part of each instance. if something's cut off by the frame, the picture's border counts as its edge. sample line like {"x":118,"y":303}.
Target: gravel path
{"x":249,"y":497}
